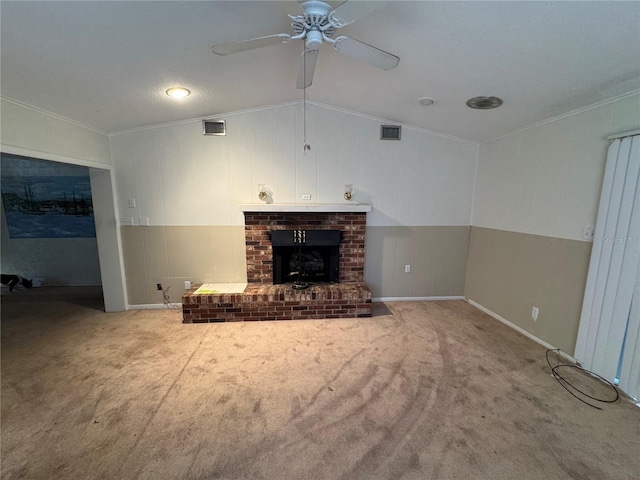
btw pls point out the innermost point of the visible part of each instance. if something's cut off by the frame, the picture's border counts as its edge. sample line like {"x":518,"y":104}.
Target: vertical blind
{"x":608,"y":340}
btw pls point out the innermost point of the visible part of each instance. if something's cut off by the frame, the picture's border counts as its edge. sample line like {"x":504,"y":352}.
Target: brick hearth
{"x":262,"y":300}
{"x":279,"y":302}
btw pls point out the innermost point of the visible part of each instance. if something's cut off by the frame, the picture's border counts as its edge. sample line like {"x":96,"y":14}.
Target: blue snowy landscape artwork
{"x":48,"y":207}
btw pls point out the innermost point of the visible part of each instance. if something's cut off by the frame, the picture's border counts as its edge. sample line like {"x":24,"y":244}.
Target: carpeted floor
{"x":424,"y":390}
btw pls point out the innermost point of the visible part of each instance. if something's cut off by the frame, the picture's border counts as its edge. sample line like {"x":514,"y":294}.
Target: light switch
{"x":588,"y":232}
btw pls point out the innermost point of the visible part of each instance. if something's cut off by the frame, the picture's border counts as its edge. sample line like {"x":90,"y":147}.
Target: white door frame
{"x":107,"y":230}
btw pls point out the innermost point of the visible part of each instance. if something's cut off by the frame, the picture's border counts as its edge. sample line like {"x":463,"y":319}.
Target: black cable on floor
{"x":567,"y":385}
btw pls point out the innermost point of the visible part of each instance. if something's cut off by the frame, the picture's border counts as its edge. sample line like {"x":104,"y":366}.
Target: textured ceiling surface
{"x":107,"y":64}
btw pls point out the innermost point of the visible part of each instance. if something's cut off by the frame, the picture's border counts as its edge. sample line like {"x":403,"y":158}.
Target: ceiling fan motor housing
{"x":313,"y":8}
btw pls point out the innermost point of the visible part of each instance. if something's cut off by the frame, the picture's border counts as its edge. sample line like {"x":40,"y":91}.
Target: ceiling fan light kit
{"x":316,"y":25}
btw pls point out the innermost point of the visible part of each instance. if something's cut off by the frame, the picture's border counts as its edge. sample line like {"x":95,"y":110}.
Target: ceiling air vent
{"x":389,"y":132}
{"x":213,"y":127}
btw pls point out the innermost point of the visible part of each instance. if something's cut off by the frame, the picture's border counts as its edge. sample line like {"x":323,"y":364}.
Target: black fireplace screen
{"x":305,"y":256}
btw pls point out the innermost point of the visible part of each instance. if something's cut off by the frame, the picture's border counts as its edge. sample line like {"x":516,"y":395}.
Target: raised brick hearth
{"x":279,"y":302}
{"x":262,"y":300}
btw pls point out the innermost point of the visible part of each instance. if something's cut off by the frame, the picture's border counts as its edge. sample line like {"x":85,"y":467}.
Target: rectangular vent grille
{"x":214,"y":127}
{"x":389,"y":132}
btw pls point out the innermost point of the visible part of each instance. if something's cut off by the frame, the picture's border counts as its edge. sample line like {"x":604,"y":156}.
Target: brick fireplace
{"x":262,"y":300}
{"x":258,"y":225}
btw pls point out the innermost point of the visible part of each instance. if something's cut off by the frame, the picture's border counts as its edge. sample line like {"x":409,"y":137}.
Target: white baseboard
{"x":521,"y":330}
{"x":160,"y":306}
{"x":414,"y":299}
{"x":154,"y":306}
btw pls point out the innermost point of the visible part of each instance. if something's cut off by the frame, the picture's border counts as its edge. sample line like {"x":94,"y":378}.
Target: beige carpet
{"x":425,"y":390}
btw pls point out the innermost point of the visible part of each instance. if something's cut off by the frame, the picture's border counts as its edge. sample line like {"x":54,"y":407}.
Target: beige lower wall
{"x":170,"y":255}
{"x":510,"y":272}
{"x":437,"y":255}
{"x":210,"y":254}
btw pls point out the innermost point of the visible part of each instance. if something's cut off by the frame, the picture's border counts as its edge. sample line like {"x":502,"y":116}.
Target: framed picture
{"x":48,"y":206}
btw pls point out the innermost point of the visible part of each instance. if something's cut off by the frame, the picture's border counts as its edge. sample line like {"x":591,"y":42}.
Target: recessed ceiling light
{"x":178,"y":92}
{"x":484,"y":103}
{"x":426,"y":101}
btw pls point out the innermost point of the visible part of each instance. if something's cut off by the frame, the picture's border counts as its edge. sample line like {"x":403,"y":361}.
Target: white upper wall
{"x":177,"y":176}
{"x":34,"y":133}
{"x":546,"y":180}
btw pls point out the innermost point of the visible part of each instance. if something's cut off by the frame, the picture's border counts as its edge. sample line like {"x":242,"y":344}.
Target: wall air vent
{"x":214,"y":127}
{"x":389,"y":132}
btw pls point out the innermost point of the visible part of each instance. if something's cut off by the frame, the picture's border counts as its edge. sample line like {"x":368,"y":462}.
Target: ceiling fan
{"x":316,"y":25}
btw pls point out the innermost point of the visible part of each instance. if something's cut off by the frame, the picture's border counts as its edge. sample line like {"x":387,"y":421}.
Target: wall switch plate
{"x":144,"y":221}
{"x":306,"y":196}
{"x":187,"y":284}
{"x":126,"y":221}
{"x":132,"y":203}
{"x":534,"y":313}
{"x":407,"y":268}
{"x":588,"y":232}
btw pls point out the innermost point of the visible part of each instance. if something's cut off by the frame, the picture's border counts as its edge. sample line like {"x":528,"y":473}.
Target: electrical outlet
{"x":126,"y":221}
{"x":158,"y":286}
{"x":144,"y":221}
{"x":187,"y":284}
{"x":407,"y":268}
{"x":534,"y":313}
{"x":306,"y":196}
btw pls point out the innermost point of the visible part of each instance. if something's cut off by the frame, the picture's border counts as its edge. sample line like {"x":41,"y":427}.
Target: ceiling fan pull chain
{"x":304,"y":105}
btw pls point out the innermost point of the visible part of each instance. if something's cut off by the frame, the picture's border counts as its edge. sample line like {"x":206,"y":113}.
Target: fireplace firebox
{"x":310,"y":256}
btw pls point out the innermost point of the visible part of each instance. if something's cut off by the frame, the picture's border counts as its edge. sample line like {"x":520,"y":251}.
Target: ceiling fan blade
{"x":348,"y":12}
{"x":235,"y":47}
{"x":366,"y":53}
{"x":307,"y":68}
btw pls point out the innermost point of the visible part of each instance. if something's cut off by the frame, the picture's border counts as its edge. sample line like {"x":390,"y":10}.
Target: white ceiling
{"x":107,"y":64}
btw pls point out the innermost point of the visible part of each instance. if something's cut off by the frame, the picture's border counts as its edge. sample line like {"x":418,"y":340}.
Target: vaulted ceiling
{"x":107,"y":64}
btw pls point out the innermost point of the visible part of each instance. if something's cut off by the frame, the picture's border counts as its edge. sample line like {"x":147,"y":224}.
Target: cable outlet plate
{"x":306,"y":196}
